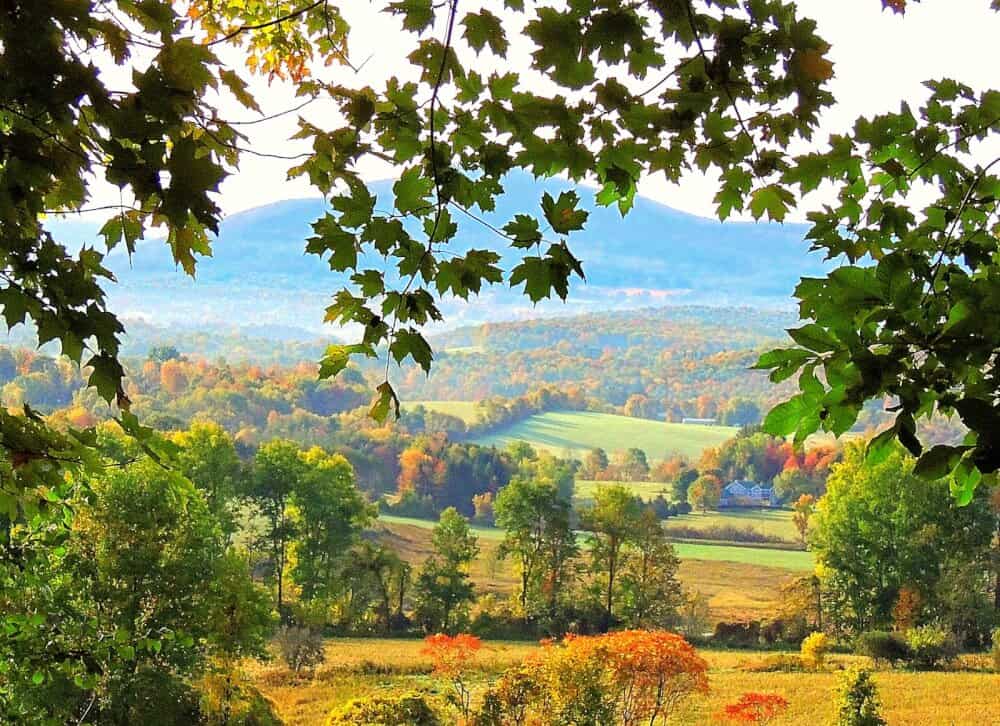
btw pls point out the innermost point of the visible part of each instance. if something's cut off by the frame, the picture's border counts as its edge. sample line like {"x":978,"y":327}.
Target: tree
{"x":207,"y":457}
{"x":681,"y":484}
{"x":595,"y":463}
{"x":275,"y":474}
{"x":612,"y":520}
{"x":650,"y":593}
{"x":537,"y":530}
{"x":704,"y":492}
{"x":880,"y":528}
{"x":741,"y":412}
{"x":328,"y":515}
{"x":633,"y":465}
{"x":443,"y":586}
{"x":382,"y":571}
{"x":138,"y":597}
{"x":804,"y":507}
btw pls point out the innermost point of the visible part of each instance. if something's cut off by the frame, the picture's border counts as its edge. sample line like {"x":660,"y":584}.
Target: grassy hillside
{"x":577,"y":432}
{"x":465,"y":410}
{"x":775,"y":522}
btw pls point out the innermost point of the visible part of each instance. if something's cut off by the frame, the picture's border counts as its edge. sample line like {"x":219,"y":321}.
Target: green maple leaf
{"x":562,"y":214}
{"x":412,"y":190}
{"x":484,"y":28}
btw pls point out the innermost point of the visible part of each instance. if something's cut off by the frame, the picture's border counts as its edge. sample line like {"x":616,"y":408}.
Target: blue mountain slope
{"x":259,"y":275}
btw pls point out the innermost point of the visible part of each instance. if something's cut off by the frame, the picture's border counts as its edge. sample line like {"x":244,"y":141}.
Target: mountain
{"x":259,"y":275}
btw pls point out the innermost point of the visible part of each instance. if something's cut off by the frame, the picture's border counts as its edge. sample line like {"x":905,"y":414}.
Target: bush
{"x":406,"y":710}
{"x":683,"y":508}
{"x":882,"y":647}
{"x":776,"y":664}
{"x":858,"y":702}
{"x":995,"y":650}
{"x":930,"y":646}
{"x":814,"y":650}
{"x":507,"y":701}
{"x":300,"y":648}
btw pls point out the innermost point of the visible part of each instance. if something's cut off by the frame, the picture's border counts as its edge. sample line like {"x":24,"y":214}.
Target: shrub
{"x":780,"y":663}
{"x":858,"y":702}
{"x":995,"y":650}
{"x":755,"y":708}
{"x":930,"y":646}
{"x":406,"y":710}
{"x":452,"y":655}
{"x":507,"y":701}
{"x":814,"y":650}
{"x":300,"y":648}
{"x":882,"y":647}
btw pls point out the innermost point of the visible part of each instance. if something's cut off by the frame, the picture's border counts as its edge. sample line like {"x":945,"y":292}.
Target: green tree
{"x":328,"y":514}
{"x":380,"y":573}
{"x":612,"y":520}
{"x":537,"y":531}
{"x":207,"y":456}
{"x":880,"y":528}
{"x":650,"y":592}
{"x":595,"y":463}
{"x":443,"y":588}
{"x":138,"y":597}
{"x":275,"y":474}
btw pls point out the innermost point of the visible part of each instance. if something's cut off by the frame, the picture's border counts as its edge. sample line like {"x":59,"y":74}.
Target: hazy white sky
{"x":880,"y":59}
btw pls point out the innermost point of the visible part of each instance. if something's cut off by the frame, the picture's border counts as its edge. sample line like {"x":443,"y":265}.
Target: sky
{"x":879,"y":59}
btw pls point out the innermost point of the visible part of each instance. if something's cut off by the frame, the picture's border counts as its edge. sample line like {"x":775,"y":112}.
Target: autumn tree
{"x":804,"y":507}
{"x":704,"y":492}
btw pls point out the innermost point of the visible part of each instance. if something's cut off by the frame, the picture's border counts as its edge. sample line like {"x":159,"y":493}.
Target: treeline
{"x":751,"y":455}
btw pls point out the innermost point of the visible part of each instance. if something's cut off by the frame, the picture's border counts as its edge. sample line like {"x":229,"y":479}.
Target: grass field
{"x":775,"y":522}
{"x":465,"y":410}
{"x":356,"y":668}
{"x":645,"y":490}
{"x":577,"y":432}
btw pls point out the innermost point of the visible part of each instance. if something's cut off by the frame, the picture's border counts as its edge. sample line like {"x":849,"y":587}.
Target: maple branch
{"x":268,"y":23}
{"x":723,"y":83}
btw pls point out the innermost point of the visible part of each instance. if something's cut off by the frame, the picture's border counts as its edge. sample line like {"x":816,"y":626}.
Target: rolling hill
{"x":580,"y":431}
{"x":259,"y":276}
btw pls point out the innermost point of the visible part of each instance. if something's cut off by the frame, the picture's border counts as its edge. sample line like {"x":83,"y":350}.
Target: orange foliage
{"x":451,"y":654}
{"x":172,"y":377}
{"x":907,"y":608}
{"x":648,"y":672}
{"x":755,"y":708}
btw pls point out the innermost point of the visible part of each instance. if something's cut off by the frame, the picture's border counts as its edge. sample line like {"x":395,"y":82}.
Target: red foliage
{"x":755,"y":708}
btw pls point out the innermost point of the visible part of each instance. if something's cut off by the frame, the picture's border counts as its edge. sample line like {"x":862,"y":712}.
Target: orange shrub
{"x":755,"y":708}
{"x":637,"y":675}
{"x":452,"y":655}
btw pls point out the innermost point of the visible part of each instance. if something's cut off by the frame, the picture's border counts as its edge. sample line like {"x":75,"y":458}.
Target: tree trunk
{"x":612,"y":562}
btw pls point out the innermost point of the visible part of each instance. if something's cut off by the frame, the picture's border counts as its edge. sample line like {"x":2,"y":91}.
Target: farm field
{"x":360,"y":667}
{"x":645,"y":490}
{"x":775,"y":522}
{"x":577,"y":432}
{"x":738,"y":581}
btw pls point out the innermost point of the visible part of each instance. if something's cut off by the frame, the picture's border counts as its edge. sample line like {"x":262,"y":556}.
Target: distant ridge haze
{"x":260,"y":276}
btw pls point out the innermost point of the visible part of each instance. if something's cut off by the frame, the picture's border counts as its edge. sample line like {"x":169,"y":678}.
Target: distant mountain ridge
{"x":259,"y":275}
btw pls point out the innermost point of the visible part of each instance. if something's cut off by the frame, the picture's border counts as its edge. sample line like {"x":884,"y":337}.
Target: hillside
{"x":579,"y":431}
{"x":259,"y":275}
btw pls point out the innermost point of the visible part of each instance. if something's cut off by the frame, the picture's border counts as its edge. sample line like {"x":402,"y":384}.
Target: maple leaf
{"x":813,"y":65}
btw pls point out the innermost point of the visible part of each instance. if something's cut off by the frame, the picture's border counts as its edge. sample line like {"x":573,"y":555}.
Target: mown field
{"x":360,"y":667}
{"x":577,"y":432}
{"x":738,"y":581}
